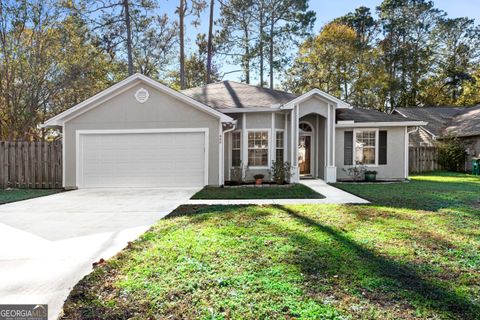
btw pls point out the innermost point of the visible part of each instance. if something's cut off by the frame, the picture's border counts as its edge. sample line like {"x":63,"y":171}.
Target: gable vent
{"x":142,"y":95}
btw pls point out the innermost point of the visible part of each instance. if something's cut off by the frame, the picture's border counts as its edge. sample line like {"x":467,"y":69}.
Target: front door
{"x":304,"y":154}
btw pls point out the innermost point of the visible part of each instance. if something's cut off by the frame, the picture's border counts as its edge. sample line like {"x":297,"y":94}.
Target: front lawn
{"x":302,"y":262}
{"x":293,"y":191}
{"x":12,"y":195}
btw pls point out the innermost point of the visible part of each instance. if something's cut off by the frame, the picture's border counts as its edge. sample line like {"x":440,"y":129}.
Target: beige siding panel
{"x":395,"y":167}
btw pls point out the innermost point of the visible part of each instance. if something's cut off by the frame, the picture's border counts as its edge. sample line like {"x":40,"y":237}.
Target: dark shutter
{"x":382,"y":145}
{"x":348,"y":148}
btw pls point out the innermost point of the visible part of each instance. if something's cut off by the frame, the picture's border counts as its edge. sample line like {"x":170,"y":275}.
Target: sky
{"x":327,"y":10}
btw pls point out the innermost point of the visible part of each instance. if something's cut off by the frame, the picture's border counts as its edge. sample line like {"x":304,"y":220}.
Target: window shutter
{"x":348,"y":148}
{"x":382,"y":147}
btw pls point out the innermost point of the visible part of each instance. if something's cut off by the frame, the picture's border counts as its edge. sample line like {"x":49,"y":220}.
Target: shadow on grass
{"x":399,"y":276}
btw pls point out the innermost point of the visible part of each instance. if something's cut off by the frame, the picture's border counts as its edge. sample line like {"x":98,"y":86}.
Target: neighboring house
{"x":140,"y":133}
{"x":462,"y":122}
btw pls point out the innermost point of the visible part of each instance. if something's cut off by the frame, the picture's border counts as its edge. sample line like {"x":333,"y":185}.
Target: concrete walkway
{"x":48,"y":244}
{"x":332,"y":196}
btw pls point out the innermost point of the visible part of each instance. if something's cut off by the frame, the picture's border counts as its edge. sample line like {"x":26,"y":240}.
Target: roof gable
{"x":122,"y":86}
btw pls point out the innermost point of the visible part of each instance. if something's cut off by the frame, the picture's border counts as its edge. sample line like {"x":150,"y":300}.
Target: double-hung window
{"x":258,"y":148}
{"x":279,"y":151}
{"x":236,"y":143}
{"x":366,"y":146}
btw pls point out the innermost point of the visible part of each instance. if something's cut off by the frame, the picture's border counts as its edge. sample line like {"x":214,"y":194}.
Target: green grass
{"x":12,"y":195}
{"x":386,"y":260}
{"x":294,"y":191}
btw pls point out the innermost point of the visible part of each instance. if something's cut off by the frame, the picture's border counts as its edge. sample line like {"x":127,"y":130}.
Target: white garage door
{"x":148,"y":159}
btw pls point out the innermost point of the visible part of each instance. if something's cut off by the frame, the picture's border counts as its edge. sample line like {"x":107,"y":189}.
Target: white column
{"x":221,"y":155}
{"x":285,"y":141}
{"x":244,"y":145}
{"x":273,"y":140}
{"x":330,"y":169}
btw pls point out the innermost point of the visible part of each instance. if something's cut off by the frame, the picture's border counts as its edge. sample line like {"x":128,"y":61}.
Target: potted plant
{"x":370,"y":175}
{"x":258,"y":179}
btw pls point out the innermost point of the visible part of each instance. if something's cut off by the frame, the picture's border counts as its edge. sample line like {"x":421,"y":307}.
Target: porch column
{"x":244,"y":146}
{"x":330,"y":168}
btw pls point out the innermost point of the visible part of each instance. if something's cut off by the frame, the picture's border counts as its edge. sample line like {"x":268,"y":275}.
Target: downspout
{"x":222,"y":165}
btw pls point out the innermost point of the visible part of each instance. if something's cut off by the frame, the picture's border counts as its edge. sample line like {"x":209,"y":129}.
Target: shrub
{"x":451,"y":153}
{"x":280,"y":171}
{"x":258,"y":176}
{"x":356,"y":172}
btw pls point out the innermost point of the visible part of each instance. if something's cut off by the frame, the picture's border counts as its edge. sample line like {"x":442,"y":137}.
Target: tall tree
{"x":457,"y":55}
{"x":237,"y":35}
{"x":288,"y":21}
{"x":185,"y":9}
{"x":48,"y":62}
{"x":407,"y":47}
{"x":327,"y":62}
{"x":210,"y":41}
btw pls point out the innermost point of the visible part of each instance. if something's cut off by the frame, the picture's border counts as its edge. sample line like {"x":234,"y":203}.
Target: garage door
{"x":149,"y":159}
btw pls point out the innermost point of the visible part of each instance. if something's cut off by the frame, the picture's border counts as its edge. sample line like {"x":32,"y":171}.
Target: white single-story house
{"x":141,"y":133}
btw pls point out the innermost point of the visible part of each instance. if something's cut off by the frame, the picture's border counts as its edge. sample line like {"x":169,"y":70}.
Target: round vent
{"x":142,"y":95}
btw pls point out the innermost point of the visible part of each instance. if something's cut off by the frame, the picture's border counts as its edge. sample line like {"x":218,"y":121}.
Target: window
{"x":279,"y":146}
{"x":236,"y":143}
{"x":258,"y":148}
{"x":365,"y":146}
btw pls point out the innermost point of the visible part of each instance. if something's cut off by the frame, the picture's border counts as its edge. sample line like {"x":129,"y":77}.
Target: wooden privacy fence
{"x":422,"y":159}
{"x":31,"y":164}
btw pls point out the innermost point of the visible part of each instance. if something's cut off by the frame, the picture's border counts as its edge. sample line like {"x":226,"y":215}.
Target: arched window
{"x":305,"y":127}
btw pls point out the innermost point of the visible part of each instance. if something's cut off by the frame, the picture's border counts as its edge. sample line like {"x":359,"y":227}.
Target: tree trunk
{"x":272,"y":25}
{"x":181,"y":15}
{"x":129,"y":36}
{"x":261,"y":46}
{"x":210,"y":43}
{"x":246,"y":57}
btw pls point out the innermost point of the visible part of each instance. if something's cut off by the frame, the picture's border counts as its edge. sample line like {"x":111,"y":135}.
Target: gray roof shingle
{"x":230,"y":94}
{"x":461,"y":121}
{"x":367,"y":115}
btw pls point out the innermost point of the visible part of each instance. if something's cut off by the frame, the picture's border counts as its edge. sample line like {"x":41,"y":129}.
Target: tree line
{"x":56,"y":53}
{"x":412,"y":55}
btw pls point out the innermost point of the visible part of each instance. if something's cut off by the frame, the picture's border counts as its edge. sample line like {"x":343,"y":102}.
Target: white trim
{"x":269,"y":157}
{"x":230,"y":148}
{"x":63,"y":155}
{"x":376,"y":145}
{"x":317,"y":136}
{"x":381,"y":124}
{"x":249,"y":109}
{"x":221,"y":151}
{"x":243,"y":150}
{"x":124,"y":85}
{"x":273,"y":141}
{"x":284,"y":144}
{"x":407,"y":158}
{"x":339,"y":103}
{"x":285,"y":133}
{"x":78,"y":133}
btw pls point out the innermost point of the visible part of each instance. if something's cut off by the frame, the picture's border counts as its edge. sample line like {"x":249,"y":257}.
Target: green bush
{"x":280,"y":171}
{"x":451,"y":153}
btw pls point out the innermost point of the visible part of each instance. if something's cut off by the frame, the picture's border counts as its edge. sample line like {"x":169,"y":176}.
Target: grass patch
{"x":300,"y":262}
{"x":12,"y":195}
{"x":293,"y":191}
{"x":432,"y":192}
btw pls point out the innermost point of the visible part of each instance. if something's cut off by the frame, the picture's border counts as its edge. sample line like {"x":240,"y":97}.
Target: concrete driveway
{"x":48,"y":244}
